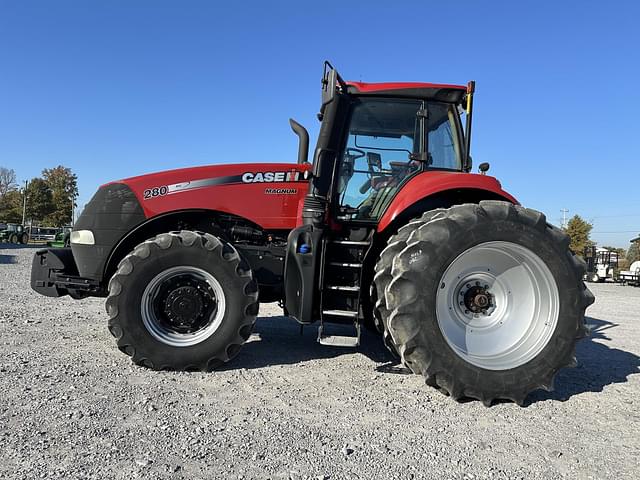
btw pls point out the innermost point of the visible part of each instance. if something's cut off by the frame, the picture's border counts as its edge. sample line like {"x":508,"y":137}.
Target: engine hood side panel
{"x":266,"y":194}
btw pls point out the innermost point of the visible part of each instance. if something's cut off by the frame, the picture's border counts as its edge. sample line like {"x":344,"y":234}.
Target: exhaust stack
{"x":303,"y":145}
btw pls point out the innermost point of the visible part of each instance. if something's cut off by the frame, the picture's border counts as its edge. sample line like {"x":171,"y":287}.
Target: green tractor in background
{"x":13,"y":233}
{"x":62,"y":239}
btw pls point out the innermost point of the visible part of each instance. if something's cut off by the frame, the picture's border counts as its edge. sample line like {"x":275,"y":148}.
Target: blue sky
{"x":118,"y":88}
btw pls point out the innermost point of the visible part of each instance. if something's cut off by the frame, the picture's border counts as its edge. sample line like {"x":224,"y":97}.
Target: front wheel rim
{"x":497,"y":305}
{"x":183,"y":306}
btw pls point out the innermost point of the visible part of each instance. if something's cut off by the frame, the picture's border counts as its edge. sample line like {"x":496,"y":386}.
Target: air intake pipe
{"x":246,"y":233}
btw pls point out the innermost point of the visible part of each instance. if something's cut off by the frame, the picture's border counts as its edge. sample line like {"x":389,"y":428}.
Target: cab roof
{"x":427,"y":91}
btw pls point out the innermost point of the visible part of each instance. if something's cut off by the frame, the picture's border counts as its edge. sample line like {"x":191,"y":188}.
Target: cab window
{"x":377,"y":159}
{"x":444,"y":145}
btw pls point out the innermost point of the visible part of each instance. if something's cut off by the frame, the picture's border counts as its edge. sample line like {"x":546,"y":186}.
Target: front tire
{"x":487,"y":302}
{"x":182,"y":301}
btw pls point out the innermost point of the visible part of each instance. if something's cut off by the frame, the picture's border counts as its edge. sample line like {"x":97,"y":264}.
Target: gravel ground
{"x":73,"y":406}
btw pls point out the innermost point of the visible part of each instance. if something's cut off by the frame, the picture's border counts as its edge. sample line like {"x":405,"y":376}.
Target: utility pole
{"x":24,"y":202}
{"x":73,"y":210}
{"x":564,"y":217}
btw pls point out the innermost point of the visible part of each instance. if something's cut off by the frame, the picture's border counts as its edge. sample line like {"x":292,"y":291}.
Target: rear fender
{"x":440,"y":189}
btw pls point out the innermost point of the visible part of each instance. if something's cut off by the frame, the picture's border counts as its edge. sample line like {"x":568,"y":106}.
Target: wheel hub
{"x":476,"y":298}
{"x":185,"y":303}
{"x":184,"y":306}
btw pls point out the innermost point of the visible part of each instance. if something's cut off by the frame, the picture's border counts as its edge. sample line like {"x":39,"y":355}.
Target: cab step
{"x":346,"y":265}
{"x":341,"y":313}
{"x":353,"y":243}
{"x":343,"y":288}
{"x":339,"y":340}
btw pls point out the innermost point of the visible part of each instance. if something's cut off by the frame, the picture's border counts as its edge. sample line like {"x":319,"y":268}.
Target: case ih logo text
{"x":261,"y":177}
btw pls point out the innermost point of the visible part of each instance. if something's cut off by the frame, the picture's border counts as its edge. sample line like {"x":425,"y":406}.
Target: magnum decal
{"x":280,"y":191}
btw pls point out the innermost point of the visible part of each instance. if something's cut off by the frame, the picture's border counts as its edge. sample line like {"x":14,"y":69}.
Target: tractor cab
{"x":386,"y":144}
{"x":374,"y":139}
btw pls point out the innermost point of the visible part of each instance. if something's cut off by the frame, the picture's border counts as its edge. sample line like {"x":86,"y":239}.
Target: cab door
{"x":381,"y":151}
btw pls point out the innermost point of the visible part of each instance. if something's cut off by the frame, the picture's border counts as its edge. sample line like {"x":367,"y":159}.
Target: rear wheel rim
{"x":183,"y":306}
{"x":497,"y":305}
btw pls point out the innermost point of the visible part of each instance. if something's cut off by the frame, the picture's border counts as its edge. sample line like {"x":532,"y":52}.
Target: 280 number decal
{"x":155,"y":192}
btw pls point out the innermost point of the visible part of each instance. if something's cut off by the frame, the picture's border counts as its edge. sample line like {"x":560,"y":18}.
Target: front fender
{"x":442,"y":184}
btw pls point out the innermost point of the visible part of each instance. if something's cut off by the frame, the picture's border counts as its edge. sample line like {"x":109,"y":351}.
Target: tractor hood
{"x":265,"y":193}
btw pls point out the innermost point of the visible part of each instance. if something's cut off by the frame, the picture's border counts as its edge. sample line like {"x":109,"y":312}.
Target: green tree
{"x":39,"y":200}
{"x":579,"y":230}
{"x":633,"y":254}
{"x":64,"y":190}
{"x":11,"y":207}
{"x":7,"y":181}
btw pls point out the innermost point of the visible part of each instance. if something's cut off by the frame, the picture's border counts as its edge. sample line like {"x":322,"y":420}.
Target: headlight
{"x":82,"y":237}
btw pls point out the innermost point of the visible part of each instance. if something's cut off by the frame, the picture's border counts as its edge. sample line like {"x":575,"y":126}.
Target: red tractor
{"x":387,"y":228}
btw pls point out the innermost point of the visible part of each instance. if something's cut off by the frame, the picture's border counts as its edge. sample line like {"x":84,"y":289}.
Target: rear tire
{"x":13,"y":238}
{"x":515,"y":332}
{"x":182,"y":301}
{"x":383,"y":277}
{"x":24,"y":239}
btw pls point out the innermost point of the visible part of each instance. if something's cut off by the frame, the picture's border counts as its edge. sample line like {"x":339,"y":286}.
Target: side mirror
{"x":329,"y":80}
{"x":484,"y":168}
